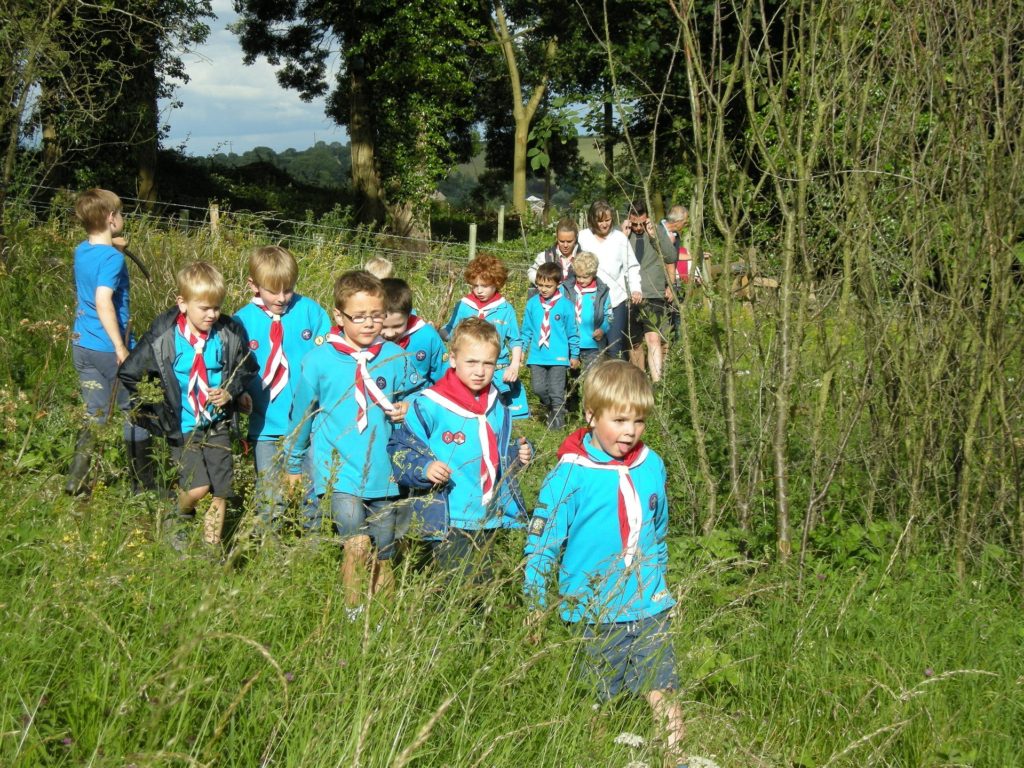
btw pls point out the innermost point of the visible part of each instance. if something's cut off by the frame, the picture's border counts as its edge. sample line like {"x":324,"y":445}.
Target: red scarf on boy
{"x":198,"y":393}
{"x":630,"y":510}
{"x":483,"y":308}
{"x":414,"y":324}
{"x":455,"y":397}
{"x":364,"y":383}
{"x":275,"y":372}
{"x":579,"y":292}
{"x":545,"y":323}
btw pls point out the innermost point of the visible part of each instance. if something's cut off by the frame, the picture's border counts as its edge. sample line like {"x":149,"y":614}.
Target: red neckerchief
{"x":454,"y":396}
{"x":630,"y":511}
{"x":198,"y":379}
{"x":275,"y":373}
{"x":413,"y":325}
{"x":483,"y":308}
{"x":578,"y":298}
{"x":545,"y":323}
{"x":364,"y":383}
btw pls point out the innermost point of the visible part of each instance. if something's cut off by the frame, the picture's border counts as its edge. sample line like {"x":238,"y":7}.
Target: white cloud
{"x":230,"y":107}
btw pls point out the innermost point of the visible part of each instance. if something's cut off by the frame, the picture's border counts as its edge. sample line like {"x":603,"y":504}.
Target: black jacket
{"x":153,"y":358}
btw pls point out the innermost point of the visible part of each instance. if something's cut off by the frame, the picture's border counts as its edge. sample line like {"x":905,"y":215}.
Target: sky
{"x":229,"y":107}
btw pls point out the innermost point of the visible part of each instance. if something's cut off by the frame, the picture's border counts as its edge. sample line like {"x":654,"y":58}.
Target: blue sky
{"x":229,"y":107}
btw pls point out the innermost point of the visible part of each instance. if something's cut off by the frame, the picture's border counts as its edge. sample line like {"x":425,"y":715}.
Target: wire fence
{"x":55,"y":203}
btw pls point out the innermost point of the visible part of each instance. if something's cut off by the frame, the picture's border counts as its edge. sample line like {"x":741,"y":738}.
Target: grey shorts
{"x":631,"y":655}
{"x":204,"y":458}
{"x":650,"y":316}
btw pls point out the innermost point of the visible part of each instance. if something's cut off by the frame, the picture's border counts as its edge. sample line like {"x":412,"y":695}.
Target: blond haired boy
{"x":600,"y":524}
{"x":283,"y":327}
{"x":202,"y":362}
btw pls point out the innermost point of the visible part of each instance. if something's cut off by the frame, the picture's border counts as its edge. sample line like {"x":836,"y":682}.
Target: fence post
{"x":501,"y":224}
{"x":472,"y":241}
{"x":183,"y":219}
{"x":214,"y":218}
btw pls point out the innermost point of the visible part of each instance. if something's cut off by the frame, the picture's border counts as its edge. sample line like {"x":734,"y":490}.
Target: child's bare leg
{"x":187,"y":500}
{"x":383,"y":577}
{"x":354,"y":562}
{"x":668,"y":716}
{"x":213,"y":524}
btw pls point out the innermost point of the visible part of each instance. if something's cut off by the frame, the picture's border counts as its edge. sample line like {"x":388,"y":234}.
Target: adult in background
{"x":563,"y":252}
{"x":648,"y":320}
{"x":618,"y":269}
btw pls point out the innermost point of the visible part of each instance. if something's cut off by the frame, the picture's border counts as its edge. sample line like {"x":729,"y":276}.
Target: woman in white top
{"x":618,"y":269}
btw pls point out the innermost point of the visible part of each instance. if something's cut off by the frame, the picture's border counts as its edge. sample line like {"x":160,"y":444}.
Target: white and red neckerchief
{"x":414,"y":324}
{"x":483,"y":308}
{"x":275,"y":372}
{"x":455,"y":397}
{"x":545,"y":323}
{"x":578,"y":299}
{"x":364,"y":383}
{"x":198,"y":394}
{"x":566,"y":264}
{"x":630,"y":509}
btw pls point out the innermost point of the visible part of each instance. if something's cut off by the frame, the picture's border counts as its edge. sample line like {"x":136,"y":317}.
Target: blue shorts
{"x":375,"y":518}
{"x":630,"y":655}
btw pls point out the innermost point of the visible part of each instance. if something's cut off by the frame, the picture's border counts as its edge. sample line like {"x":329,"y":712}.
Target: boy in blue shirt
{"x":424,"y":348}
{"x":601,"y":519}
{"x":100,"y":339}
{"x":457,"y":442}
{"x":551,"y":336}
{"x":283,"y":327}
{"x":202,"y":362}
{"x":486,"y":275}
{"x":344,"y":410}
{"x":589,"y":296}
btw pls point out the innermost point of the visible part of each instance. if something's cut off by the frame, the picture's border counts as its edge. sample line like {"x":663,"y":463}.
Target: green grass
{"x":117,"y":651}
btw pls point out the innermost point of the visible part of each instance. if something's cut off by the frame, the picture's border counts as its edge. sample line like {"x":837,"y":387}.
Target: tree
{"x":401,"y":83}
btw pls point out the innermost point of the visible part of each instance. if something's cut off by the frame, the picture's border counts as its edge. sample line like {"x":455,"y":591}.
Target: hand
{"x":121,"y":353}
{"x":219,"y":396}
{"x":295,"y":479}
{"x":669,"y":293}
{"x":649,"y":226}
{"x":397,"y":414}
{"x":598,"y":334}
{"x":574,"y":363}
{"x":636,"y":297}
{"x":245,"y":403}
{"x":438,"y":473}
{"x":511,"y":374}
{"x":525,"y":451}
{"x":627,"y":228}
{"x":120,"y":243}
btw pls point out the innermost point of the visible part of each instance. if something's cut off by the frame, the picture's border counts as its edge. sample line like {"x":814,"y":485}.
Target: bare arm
{"x":108,"y":319}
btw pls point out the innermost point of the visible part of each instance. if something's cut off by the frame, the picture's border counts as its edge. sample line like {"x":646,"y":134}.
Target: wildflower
{"x":929,"y":672}
{"x":629,"y":739}
{"x":67,"y":741}
{"x":289,"y":677}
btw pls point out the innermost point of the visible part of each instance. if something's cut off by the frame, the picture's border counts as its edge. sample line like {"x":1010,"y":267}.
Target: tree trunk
{"x":365,"y":178}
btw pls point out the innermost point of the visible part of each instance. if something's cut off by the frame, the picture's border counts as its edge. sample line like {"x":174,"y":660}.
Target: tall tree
{"x":401,"y":82}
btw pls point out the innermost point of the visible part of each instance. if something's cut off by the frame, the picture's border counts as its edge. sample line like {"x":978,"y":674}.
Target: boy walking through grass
{"x":202,"y":363}
{"x":601,"y":521}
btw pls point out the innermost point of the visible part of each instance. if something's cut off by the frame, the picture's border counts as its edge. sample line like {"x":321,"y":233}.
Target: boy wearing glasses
{"x":283,"y":327}
{"x":344,"y":410}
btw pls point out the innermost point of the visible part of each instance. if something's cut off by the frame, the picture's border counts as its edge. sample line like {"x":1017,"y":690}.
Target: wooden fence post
{"x":472,"y":241}
{"x":501,"y":224}
{"x":214,"y":219}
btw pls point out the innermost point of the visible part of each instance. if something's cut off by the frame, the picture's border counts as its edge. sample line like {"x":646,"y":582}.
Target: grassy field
{"x":119,"y":651}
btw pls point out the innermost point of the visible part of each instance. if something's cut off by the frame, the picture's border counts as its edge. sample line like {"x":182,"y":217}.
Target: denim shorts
{"x":375,"y":518}
{"x":271,"y":461}
{"x":630,"y":655}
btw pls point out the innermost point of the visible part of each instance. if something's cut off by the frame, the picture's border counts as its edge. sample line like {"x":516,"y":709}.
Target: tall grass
{"x":118,"y":651}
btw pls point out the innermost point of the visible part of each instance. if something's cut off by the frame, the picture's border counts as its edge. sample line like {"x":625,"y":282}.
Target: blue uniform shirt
{"x":564,"y":341}
{"x":213,"y":356}
{"x":576,"y":528}
{"x":425,"y":358}
{"x":98,"y":265}
{"x":324,"y":413}
{"x":305,"y":324}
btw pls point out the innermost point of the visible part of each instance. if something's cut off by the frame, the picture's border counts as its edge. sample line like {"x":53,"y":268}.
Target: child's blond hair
{"x":585,"y":263}
{"x":201,"y":281}
{"x":617,"y":384}
{"x":94,"y":206}
{"x":274,"y":268}
{"x":355,"y":281}
{"x":380,"y":267}
{"x":474,"y":329}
